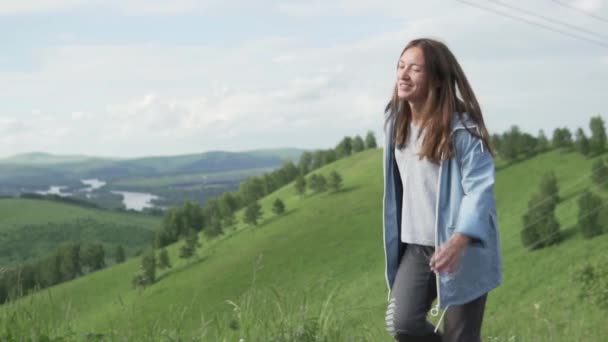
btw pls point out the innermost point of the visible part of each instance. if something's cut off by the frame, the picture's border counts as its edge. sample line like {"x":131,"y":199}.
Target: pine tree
{"x":549,"y":188}
{"x":317,"y":183}
{"x":543,"y":142}
{"x":253,"y":213}
{"x":188,"y":249}
{"x":358,"y":144}
{"x":148,"y":265}
{"x":599,"y":174}
{"x":541,"y":228}
{"x":300,"y":184}
{"x":345,"y":147}
{"x":119,"y":254}
{"x":214,"y":228}
{"x":589,"y":206}
{"x":370,"y":140}
{"x":335,"y":181}
{"x":598,"y":135}
{"x":163,"y":259}
{"x":582,"y":143}
{"x":278,"y":207}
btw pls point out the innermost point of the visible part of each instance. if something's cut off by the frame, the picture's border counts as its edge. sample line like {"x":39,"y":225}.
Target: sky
{"x":134,"y":78}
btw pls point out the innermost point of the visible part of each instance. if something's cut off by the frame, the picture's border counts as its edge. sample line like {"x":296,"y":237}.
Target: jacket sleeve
{"x":477,"y":180}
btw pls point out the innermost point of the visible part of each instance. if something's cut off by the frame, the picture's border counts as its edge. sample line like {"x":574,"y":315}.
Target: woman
{"x":440,"y":224}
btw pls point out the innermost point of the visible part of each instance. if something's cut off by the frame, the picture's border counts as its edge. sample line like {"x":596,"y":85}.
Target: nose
{"x":402,"y":74}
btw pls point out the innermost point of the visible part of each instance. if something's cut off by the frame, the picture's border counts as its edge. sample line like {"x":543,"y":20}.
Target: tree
{"x":335,"y":181}
{"x":317,"y":160}
{"x":582,"y":143}
{"x":549,"y":188}
{"x":70,"y":266}
{"x":599,"y":174}
{"x":119,"y":254}
{"x":148,"y":265}
{"x":192,"y":217}
{"x":345,"y":147}
{"x":317,"y":183}
{"x":358,"y":144}
{"x":589,"y":206}
{"x":329,"y":156}
{"x":562,"y":138}
{"x":49,"y":271}
{"x":252,"y":213}
{"x":543,"y":142}
{"x":305,"y":162}
{"x":163,"y":259}
{"x":188,"y":249}
{"x":278,"y":206}
{"x":300,"y":185}
{"x":527,"y":145}
{"x":598,"y":135}
{"x":252,"y":189}
{"x":496,"y":142}
{"x":229,"y":220}
{"x":541,"y":228}
{"x":92,"y":256}
{"x":510,"y":144}
{"x":171,"y":228}
{"x":215,"y":227}
{"x":370,"y":140}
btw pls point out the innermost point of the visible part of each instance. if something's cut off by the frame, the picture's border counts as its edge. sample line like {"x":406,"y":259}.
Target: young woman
{"x":440,"y":224}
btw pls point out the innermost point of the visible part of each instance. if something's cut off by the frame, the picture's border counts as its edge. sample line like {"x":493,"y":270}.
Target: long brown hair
{"x":449,"y":92}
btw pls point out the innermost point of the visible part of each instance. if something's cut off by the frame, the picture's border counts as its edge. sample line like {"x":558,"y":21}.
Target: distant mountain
{"x":211,"y":161}
{"x":35,"y":171}
{"x":43,"y":158}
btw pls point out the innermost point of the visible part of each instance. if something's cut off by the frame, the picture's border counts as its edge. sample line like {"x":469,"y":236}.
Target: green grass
{"x":14,"y":212}
{"x":323,"y":262}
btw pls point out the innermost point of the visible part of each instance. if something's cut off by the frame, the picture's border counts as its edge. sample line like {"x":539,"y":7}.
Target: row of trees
{"x":69,"y":261}
{"x":187,"y":221}
{"x":318,"y":183}
{"x":514,"y":144}
{"x":219,"y":213}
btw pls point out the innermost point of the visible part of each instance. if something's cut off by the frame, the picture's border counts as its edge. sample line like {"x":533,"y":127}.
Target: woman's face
{"x":412,"y":78}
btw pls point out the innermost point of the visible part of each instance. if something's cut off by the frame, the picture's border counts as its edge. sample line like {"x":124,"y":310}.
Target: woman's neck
{"x":416,"y":108}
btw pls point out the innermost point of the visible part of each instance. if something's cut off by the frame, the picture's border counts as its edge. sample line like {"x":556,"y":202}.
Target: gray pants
{"x":412,"y":296}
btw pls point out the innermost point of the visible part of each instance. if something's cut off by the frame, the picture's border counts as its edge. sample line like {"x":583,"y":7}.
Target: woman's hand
{"x":447,"y":257}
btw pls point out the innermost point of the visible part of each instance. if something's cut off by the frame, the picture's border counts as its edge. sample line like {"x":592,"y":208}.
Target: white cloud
{"x":127,"y":100}
{"x":9,"y":125}
{"x":25,"y":6}
{"x":589,"y":5}
{"x":132,"y":7}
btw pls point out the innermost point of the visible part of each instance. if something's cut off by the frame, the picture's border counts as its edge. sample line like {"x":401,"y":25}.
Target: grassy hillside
{"x":33,"y":228}
{"x":324,"y":260}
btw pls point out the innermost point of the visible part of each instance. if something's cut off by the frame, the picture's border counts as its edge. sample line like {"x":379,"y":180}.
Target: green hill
{"x":33,"y":228}
{"x":323,"y":260}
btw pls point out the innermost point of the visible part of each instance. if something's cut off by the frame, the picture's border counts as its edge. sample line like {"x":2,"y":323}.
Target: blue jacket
{"x":465,"y":204}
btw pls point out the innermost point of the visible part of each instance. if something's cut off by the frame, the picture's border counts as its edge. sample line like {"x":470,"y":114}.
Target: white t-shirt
{"x":420,"y":182}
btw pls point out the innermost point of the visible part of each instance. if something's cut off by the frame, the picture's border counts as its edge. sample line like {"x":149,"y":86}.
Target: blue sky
{"x":135,"y":78}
